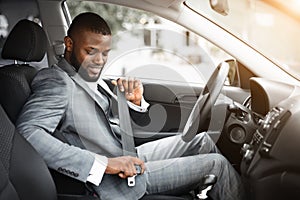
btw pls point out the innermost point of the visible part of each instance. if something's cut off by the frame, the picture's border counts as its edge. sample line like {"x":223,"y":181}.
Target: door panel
{"x":172,"y":104}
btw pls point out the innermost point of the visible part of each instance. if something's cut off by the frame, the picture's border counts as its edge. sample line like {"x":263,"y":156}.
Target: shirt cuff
{"x":97,"y":170}
{"x":142,"y":108}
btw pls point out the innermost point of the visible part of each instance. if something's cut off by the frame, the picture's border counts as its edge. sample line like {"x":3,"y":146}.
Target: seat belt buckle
{"x":131,"y":181}
{"x":138,"y":169}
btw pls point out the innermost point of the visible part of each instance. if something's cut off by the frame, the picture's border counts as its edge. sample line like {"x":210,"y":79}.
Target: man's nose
{"x":99,"y":59}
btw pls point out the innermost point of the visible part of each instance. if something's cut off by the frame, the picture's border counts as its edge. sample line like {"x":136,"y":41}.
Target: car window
{"x":151,"y":48}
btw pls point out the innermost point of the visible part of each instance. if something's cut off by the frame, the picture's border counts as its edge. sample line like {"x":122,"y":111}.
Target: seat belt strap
{"x":125,"y":126}
{"x":126,"y":131}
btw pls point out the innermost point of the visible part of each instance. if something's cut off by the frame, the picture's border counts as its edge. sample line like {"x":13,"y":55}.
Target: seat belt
{"x":125,"y":126}
{"x":126,"y":132}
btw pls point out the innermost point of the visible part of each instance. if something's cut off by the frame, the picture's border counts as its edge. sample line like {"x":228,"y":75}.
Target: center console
{"x":264,"y":137}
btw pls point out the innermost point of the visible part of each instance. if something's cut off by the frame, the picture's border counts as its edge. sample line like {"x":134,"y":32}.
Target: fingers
{"x":140,"y":163}
{"x":114,"y":82}
{"x":137,"y":84}
{"x":120,"y":84}
{"x":129,"y":169}
{"x":124,"y":166}
{"x":131,"y":166}
{"x":127,"y":85}
{"x":130,"y":86}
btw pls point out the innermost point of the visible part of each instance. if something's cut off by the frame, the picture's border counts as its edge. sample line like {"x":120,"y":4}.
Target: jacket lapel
{"x":64,"y":65}
{"x":78,"y":80}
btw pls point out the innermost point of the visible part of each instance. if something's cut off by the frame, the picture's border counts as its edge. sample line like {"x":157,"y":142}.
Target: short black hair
{"x":91,"y":22}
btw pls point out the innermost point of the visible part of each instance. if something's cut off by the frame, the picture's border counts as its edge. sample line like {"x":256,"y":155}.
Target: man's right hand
{"x":124,"y":166}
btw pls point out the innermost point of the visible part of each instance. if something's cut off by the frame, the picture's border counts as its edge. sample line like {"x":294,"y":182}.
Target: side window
{"x":158,"y":52}
{"x":3,"y":27}
{"x":3,"y":34}
{"x":151,"y":48}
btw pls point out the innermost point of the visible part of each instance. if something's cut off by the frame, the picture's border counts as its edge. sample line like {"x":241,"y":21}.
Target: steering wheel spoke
{"x":205,"y":102}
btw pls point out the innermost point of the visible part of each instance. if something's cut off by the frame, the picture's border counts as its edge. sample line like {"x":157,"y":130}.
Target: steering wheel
{"x":205,"y":101}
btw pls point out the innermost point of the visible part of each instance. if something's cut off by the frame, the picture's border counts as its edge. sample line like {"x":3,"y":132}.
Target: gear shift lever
{"x":207,"y":183}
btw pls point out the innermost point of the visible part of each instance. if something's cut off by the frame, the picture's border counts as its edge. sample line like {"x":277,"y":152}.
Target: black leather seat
{"x":27,"y":42}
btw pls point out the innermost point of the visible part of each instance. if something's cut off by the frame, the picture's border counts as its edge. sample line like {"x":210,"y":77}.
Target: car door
{"x":174,"y":66}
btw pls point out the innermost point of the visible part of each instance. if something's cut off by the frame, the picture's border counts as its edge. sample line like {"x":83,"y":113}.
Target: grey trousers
{"x":173,"y":165}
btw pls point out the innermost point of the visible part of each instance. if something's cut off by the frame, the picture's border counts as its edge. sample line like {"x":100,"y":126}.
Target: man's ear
{"x":68,"y":43}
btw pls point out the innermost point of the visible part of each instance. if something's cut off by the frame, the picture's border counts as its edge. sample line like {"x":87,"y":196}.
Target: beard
{"x":82,"y":71}
{"x":85,"y":75}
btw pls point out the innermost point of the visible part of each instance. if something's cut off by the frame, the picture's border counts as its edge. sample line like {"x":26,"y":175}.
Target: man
{"x":65,"y":97}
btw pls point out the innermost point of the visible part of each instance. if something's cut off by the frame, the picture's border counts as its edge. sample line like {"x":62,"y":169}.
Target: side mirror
{"x":220,"y":6}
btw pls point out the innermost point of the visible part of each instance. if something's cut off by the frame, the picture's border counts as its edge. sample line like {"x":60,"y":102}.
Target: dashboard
{"x":270,"y":163}
{"x":261,"y":138}
{"x":266,"y":94}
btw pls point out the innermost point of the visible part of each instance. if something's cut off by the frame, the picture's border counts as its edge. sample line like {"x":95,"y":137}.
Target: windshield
{"x":272,"y":27}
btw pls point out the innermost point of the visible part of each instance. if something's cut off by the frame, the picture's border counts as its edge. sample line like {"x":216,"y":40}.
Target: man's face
{"x":89,"y":54}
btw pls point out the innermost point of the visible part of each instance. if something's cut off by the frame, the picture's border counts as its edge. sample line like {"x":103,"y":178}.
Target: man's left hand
{"x":133,"y":89}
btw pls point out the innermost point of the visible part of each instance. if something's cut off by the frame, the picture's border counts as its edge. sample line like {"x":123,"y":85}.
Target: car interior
{"x":16,"y":79}
{"x":256,"y":132}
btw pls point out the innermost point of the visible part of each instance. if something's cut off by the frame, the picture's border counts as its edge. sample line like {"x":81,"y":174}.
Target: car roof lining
{"x":174,"y":4}
{"x":165,"y":3}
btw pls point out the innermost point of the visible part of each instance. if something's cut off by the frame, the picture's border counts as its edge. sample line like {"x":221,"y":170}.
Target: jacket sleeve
{"x":39,"y":118}
{"x":140,"y":114}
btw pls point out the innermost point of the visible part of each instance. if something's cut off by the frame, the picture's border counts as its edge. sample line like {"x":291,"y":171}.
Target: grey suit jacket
{"x":61,"y":99}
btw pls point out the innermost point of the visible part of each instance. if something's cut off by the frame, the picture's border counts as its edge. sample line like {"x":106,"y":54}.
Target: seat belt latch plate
{"x":131,"y":181}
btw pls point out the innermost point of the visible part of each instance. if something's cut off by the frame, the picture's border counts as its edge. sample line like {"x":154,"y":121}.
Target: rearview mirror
{"x":220,"y":6}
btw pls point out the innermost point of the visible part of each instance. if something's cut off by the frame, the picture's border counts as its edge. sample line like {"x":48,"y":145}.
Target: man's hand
{"x":124,"y":166}
{"x":133,"y":89}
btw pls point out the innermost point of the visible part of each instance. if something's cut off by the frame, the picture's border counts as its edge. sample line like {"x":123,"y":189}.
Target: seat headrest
{"x":26,"y":42}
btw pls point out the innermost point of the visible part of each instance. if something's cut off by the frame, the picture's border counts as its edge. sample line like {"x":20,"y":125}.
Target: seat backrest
{"x":23,"y":173}
{"x":27,"y":42}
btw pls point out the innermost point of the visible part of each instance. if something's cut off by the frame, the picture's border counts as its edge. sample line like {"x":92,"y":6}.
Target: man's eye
{"x":90,"y":52}
{"x":105,"y":53}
